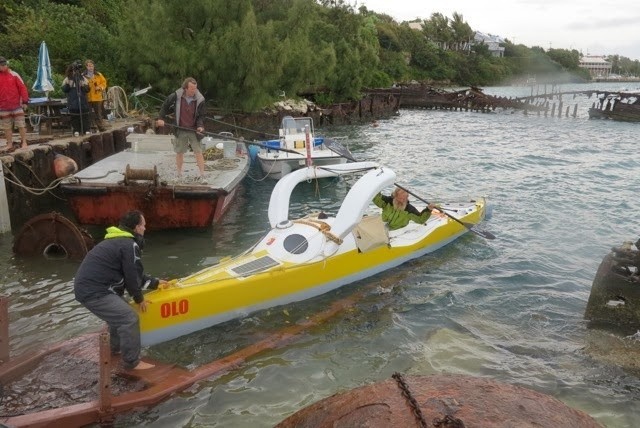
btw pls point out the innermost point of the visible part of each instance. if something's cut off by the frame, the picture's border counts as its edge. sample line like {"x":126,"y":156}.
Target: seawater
{"x":562,"y":192}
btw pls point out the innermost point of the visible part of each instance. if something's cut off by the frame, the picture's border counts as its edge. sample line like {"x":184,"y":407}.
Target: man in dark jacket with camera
{"x":110,"y":268}
{"x":76,"y":86}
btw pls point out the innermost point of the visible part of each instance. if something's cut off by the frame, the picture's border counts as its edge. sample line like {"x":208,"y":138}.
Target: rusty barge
{"x":144,"y":177}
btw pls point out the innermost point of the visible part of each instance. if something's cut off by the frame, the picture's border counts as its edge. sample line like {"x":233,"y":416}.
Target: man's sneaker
{"x":200,"y":180}
{"x":143,"y":366}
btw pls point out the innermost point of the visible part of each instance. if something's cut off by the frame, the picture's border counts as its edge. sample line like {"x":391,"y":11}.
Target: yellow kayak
{"x":303,"y":258}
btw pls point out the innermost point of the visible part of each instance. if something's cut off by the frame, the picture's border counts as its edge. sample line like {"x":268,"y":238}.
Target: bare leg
{"x":8,"y":135}
{"x":23,"y":136}
{"x":179,"y":162}
{"x":200,"y":162}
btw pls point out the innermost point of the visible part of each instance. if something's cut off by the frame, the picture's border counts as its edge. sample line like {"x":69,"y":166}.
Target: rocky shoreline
{"x":265,"y":124}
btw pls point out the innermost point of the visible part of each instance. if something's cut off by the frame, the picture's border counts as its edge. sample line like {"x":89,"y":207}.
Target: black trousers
{"x":80,"y":122}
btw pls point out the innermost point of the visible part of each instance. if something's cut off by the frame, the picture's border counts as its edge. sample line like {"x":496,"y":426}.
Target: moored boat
{"x":302,"y":149}
{"x":305,"y":257}
{"x":144,"y":177}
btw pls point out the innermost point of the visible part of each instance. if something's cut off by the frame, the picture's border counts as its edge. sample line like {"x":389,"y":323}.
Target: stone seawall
{"x":264,"y":125}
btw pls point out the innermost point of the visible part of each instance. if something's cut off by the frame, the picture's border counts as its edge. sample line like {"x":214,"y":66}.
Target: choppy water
{"x":562,"y":192}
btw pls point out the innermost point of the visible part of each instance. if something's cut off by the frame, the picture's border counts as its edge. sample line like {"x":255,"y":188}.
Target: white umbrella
{"x":44,"y":81}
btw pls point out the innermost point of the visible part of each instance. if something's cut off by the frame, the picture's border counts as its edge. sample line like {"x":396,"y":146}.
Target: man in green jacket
{"x":397,"y":211}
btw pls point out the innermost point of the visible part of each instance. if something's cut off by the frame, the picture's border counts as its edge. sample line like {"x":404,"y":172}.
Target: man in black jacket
{"x":110,"y":268}
{"x":76,"y":86}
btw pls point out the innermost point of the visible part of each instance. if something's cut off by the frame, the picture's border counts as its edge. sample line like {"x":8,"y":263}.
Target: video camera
{"x":77,"y":67}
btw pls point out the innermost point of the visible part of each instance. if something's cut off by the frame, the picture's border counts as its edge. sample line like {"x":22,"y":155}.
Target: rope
{"x":322,"y":227}
{"x":117,"y":97}
{"x":77,"y":180}
{"x":225,"y":163}
{"x":212,"y":153}
{"x":266,"y":175}
{"x":139,"y":174}
{"x":34,"y":119}
{"x":34,"y":190}
{"x":273,"y":165}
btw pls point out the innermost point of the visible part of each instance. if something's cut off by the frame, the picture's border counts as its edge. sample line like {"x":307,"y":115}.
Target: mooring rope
{"x":225,"y":163}
{"x":323,"y":227}
{"x":34,"y":190}
{"x":34,"y":120}
{"x":116,"y":95}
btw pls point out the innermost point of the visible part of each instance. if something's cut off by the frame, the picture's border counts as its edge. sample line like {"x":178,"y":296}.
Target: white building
{"x":597,"y":65}
{"x":493,"y":43}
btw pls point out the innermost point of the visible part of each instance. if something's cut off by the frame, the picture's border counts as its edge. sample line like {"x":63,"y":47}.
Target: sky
{"x":591,"y":27}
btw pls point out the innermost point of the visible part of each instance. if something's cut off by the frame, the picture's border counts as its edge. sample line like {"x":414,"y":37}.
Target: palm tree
{"x":462,"y":33}
{"x":437,"y":30}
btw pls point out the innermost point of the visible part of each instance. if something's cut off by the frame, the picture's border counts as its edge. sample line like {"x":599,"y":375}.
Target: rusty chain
{"x":447,"y":421}
{"x":406,"y":392}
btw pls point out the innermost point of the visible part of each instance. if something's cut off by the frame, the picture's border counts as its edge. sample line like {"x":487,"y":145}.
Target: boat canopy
{"x":356,"y":202}
{"x":295,"y":126}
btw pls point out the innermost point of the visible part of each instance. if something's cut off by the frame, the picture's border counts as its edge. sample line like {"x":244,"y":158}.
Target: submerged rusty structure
{"x":471,"y":99}
{"x":446,"y":401}
{"x":52,"y":236}
{"x":610,"y":105}
{"x":621,"y":106}
{"x":615,"y":293}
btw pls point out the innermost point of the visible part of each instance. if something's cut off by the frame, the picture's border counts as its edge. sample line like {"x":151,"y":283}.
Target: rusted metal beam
{"x":106,"y":411}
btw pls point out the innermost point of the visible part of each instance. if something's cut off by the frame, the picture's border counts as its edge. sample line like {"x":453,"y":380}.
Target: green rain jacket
{"x":396,"y":219}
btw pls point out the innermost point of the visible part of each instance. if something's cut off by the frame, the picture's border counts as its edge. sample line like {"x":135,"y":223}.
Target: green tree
{"x":354,"y":39}
{"x":437,"y":29}
{"x":70,"y":34}
{"x":624,"y":66}
{"x":569,"y":59}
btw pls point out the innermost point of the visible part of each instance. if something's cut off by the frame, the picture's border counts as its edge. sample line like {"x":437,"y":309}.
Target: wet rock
{"x":609,"y":347}
{"x":615,"y":293}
